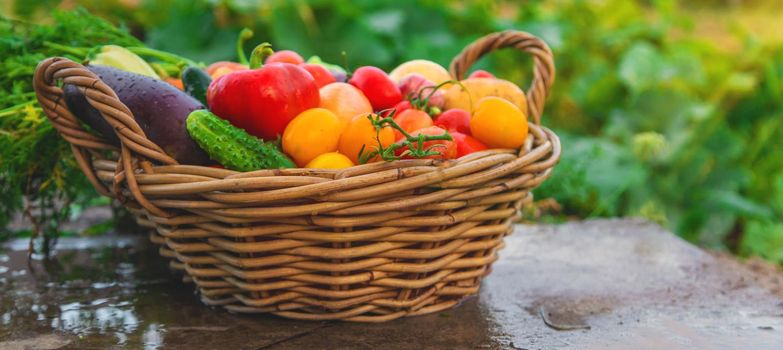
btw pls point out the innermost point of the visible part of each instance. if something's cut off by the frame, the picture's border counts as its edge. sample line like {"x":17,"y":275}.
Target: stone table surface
{"x":601,"y":284}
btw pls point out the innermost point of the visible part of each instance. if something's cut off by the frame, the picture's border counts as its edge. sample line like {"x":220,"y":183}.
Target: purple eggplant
{"x":159,"y":108}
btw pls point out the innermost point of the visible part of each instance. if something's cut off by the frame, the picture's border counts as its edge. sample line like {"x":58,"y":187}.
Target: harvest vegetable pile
{"x":276,"y":110}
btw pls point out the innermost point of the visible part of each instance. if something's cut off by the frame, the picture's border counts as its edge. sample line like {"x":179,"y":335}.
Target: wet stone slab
{"x":614,"y":284}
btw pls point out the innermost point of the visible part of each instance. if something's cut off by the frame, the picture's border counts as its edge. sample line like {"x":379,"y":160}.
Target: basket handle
{"x":136,"y":149}
{"x":543,"y":68}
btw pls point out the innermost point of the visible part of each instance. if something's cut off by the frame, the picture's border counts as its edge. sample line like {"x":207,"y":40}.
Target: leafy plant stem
{"x":415,"y":144}
{"x":244,"y":35}
{"x":76,"y":51}
{"x":163,"y":56}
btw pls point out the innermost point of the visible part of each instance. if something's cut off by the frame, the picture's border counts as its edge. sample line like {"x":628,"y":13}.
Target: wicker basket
{"x":369,"y":243}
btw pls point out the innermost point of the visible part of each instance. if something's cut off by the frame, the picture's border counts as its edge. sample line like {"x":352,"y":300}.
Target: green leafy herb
{"x":38,"y":174}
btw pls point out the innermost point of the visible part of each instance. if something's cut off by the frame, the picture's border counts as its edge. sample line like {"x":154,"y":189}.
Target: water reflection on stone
{"x":107,"y":291}
{"x":100,"y":292}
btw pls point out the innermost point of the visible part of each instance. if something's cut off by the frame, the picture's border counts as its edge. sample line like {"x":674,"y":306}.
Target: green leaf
{"x":732,"y":202}
{"x":765,"y":239}
{"x":640,"y":67}
{"x":741,"y":82}
{"x":387,"y":22}
{"x":593,"y":176}
{"x":777,"y":201}
{"x":204,"y":40}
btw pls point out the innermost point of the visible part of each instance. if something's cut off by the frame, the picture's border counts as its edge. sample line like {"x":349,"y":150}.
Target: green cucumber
{"x":196,"y":81}
{"x":232,"y":147}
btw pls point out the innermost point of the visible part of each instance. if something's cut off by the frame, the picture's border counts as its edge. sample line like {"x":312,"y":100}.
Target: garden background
{"x":668,"y":110}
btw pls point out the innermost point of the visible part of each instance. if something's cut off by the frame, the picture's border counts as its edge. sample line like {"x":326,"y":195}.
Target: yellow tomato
{"x":331,"y":160}
{"x":430,"y":70}
{"x":360,"y":132}
{"x":498,"y":123}
{"x":345,"y":101}
{"x":474,"y":89}
{"x":312,"y":133}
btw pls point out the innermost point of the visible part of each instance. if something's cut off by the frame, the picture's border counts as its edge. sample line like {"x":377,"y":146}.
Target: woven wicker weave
{"x":369,"y":243}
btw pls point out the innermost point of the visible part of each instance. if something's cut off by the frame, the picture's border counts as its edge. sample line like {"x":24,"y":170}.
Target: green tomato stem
{"x":415,"y":144}
{"x":420,"y":103}
{"x":348,"y":71}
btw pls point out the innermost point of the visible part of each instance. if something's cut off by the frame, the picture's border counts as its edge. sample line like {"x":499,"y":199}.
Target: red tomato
{"x":398,"y":108}
{"x":481,"y":74}
{"x":263,"y":101}
{"x":447,"y":149}
{"x":454,"y":119}
{"x":285,"y":56}
{"x":320,"y":74}
{"x":411,"y":120}
{"x":376,"y":85}
{"x":466,"y":144}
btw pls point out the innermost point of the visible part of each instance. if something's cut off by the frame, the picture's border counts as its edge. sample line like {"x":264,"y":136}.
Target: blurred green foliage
{"x":656,"y":121}
{"x":39,"y":176}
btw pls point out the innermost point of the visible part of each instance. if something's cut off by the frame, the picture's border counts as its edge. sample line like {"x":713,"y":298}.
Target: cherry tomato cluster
{"x":326,"y":118}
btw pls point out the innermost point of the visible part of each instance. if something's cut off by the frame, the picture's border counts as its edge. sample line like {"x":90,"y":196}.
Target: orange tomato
{"x":177,"y":83}
{"x":498,"y":123}
{"x":467,"y":94}
{"x":358,"y":133}
{"x":285,"y":56}
{"x":331,"y":160}
{"x":344,"y":100}
{"x":222,"y":68}
{"x":411,"y":120}
{"x":446,"y":148}
{"x":311,"y":133}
